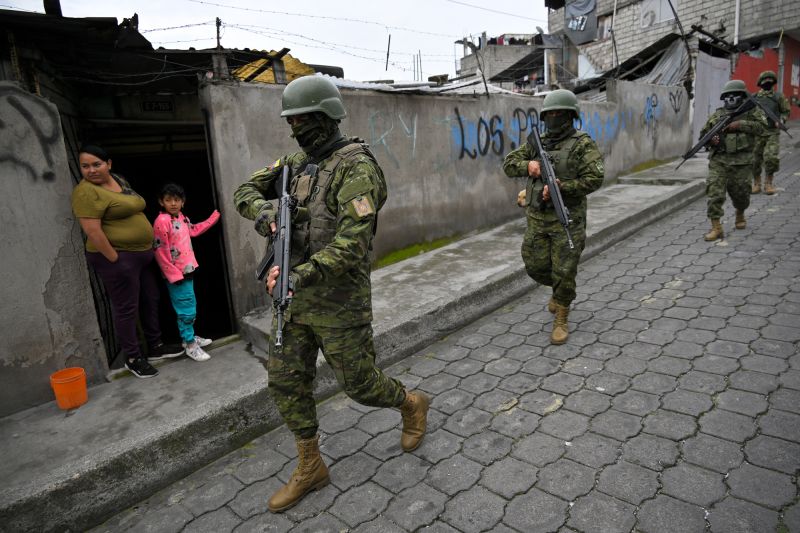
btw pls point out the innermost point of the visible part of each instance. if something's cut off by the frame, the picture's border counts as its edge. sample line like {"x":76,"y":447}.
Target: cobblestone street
{"x":674,"y":407}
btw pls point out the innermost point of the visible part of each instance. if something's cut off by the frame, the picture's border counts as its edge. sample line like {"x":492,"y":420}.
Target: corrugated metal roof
{"x":670,"y":69}
{"x":469,"y":86}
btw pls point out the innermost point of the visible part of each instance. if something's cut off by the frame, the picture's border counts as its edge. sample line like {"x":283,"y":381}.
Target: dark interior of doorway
{"x":148,"y":157}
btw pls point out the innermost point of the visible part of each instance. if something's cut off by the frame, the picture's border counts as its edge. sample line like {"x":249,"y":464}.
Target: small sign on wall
{"x":157,"y":106}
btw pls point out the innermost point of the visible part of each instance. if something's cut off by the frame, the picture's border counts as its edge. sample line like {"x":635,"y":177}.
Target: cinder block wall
{"x":756,"y":18}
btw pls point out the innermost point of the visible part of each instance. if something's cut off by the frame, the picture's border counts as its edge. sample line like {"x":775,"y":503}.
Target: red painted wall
{"x":748,"y":69}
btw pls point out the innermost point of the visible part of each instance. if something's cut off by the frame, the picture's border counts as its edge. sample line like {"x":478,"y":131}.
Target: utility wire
{"x":324,"y":17}
{"x":328,"y":47}
{"x":496,"y":11}
{"x":278,"y":32}
{"x":179,"y":27}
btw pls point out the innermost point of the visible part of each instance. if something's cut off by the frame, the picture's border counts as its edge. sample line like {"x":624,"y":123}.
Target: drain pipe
{"x":736,"y":23}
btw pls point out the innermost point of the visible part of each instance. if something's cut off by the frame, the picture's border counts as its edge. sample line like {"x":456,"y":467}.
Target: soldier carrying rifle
{"x":730,"y":165}
{"x":337,"y":188}
{"x":549,"y":256}
{"x":767,"y":144}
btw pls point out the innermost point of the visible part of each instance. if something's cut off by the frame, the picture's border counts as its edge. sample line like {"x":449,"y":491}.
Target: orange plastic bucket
{"x":69,"y":385}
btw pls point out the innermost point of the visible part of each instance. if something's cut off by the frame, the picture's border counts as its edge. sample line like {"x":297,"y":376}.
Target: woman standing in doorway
{"x":119,"y":248}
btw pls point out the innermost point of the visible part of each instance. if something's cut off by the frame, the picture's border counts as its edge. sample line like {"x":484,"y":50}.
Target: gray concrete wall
{"x":442,"y":156}
{"x":47,"y":315}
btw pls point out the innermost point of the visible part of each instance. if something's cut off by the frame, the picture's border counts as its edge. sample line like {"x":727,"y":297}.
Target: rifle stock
{"x":549,"y":176}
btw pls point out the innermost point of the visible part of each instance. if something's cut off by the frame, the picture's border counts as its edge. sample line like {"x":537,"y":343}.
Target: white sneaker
{"x":196,"y":352}
{"x":202,"y":341}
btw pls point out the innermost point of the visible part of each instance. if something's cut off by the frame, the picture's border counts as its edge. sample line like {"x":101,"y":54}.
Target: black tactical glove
{"x":263,"y":220}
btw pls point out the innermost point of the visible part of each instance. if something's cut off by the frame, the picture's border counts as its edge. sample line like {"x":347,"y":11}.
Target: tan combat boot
{"x":551,"y":305}
{"x":769,"y":188}
{"x":415,"y":419}
{"x":560,"y":332}
{"x":310,"y":474}
{"x":756,"y":185}
{"x":741,"y":223}
{"x":716,"y":231}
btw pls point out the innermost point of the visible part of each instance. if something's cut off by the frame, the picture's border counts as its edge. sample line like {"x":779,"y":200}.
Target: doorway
{"x":149,"y":155}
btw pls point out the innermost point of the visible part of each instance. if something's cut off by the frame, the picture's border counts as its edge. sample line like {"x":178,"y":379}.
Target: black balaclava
{"x":767,"y":84}
{"x":558,"y":126}
{"x":315,"y":131}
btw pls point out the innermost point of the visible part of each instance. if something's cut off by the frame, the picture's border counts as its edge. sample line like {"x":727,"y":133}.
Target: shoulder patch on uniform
{"x":362,"y":205}
{"x":274,"y":165}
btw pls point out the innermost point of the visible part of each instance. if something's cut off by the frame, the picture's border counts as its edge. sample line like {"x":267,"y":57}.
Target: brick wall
{"x":757,"y":18}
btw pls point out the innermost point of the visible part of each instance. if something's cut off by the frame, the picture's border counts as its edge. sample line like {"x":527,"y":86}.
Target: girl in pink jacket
{"x":175,"y":256}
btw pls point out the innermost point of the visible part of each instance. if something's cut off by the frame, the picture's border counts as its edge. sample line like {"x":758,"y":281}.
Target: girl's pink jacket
{"x":173,"y":243}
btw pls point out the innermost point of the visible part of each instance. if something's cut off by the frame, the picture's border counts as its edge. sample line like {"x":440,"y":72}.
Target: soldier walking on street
{"x":337,"y":203}
{"x":730,"y":165}
{"x":768,"y":143}
{"x":578,"y":166}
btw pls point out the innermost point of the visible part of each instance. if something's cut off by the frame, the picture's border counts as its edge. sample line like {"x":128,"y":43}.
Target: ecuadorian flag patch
{"x":362,"y":205}
{"x":274,"y":165}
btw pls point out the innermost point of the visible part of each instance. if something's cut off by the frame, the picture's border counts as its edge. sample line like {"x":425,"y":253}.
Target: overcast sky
{"x":315,"y":32}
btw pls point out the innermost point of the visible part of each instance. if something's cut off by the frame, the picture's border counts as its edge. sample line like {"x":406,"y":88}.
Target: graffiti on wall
{"x":477,"y":137}
{"x":31,"y":133}
{"x":382,"y":124}
{"x":651,"y":115}
{"x":676,"y":100}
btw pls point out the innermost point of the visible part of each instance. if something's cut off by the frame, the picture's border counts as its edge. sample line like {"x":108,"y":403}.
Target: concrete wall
{"x":47,"y":316}
{"x":442,"y":156}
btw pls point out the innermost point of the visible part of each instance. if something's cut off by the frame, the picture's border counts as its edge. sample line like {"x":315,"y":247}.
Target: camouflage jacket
{"x":736,"y":147}
{"x":580,"y":173}
{"x":332,"y":273}
{"x":778,"y":103}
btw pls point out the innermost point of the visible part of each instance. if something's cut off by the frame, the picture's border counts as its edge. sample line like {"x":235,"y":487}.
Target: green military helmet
{"x":310,"y":94}
{"x":733,"y":86}
{"x":767,"y":74}
{"x":560,"y":99}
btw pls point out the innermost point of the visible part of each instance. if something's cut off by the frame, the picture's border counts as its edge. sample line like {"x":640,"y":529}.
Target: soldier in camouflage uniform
{"x":578,"y":165}
{"x":332,"y":230}
{"x":768,"y":143}
{"x":730,"y":165}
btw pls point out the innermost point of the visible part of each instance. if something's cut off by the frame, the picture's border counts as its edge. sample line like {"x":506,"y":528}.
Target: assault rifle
{"x":770,"y":115}
{"x":746,"y":106}
{"x":549,"y":177}
{"x":280,"y":254}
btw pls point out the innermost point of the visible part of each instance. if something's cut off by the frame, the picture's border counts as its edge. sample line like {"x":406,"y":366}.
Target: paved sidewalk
{"x":675,"y":406}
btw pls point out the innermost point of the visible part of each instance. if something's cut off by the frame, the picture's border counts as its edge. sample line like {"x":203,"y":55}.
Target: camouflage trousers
{"x":548,"y":258}
{"x":766,"y":153}
{"x":351,"y":354}
{"x":736,"y":180}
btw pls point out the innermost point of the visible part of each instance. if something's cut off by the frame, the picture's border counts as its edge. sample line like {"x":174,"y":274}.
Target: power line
{"x":179,"y":27}
{"x":496,"y":11}
{"x":324,"y":17}
{"x":186,"y":40}
{"x":328,"y":46}
{"x":278,"y":32}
